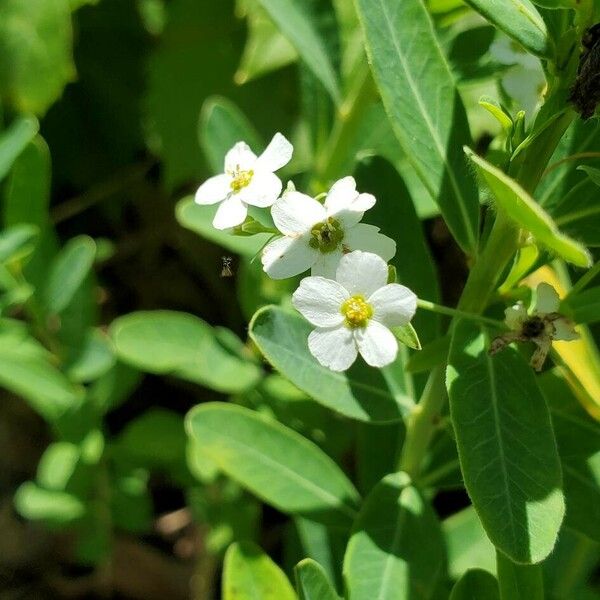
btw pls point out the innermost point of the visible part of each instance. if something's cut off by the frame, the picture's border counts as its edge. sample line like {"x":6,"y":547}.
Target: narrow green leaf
{"x":526,"y":213}
{"x":498,"y":112}
{"x":424,"y":107}
{"x":57,"y":465}
{"x":296,"y":25}
{"x":506,"y":445}
{"x":407,"y":336}
{"x":520,"y":20}
{"x":396,"y":549}
{"x":249,"y":574}
{"x":274,"y":462}
{"x":592,"y":173}
{"x":519,"y":582}
{"x":182,"y":345}
{"x":361,"y":393}
{"x":222,"y":124}
{"x":14,"y":140}
{"x":92,"y":359}
{"x":476,"y":584}
{"x":578,"y":438}
{"x":68,"y":272}
{"x":17,"y":242}
{"x":56,"y":507}
{"x":312,"y":582}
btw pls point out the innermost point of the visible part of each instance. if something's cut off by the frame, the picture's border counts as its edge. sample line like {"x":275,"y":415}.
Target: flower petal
{"x":362,"y":273}
{"x":345,"y":203}
{"x":334,"y":348}
{"x":230,"y":213}
{"x":276,"y":155}
{"x":377,"y":344}
{"x":285,"y":257}
{"x":393,"y":305}
{"x":327,"y":263}
{"x":264,"y":188}
{"x":295,"y":213}
{"x":214,"y":190}
{"x":514,"y":316}
{"x":564,"y":330}
{"x":367,"y":238}
{"x":319,"y":300}
{"x":239,"y":158}
{"x":547,"y":300}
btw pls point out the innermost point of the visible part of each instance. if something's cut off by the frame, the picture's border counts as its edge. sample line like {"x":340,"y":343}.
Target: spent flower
{"x":354,"y":312}
{"x":316,"y":236}
{"x":542,"y":325}
{"x":247,"y":180}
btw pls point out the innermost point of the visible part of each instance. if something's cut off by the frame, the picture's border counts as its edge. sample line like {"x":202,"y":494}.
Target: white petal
{"x":564,"y":330}
{"x":230,"y":213}
{"x":362,"y":273}
{"x":334,"y":348}
{"x":264,"y":188}
{"x":320,"y":300}
{"x":547,"y":300}
{"x":327,"y":263}
{"x":377,"y":344}
{"x":214,"y":190}
{"x":367,"y":238}
{"x":295,"y":213}
{"x":393,"y":305}
{"x":345,"y":203}
{"x":514,"y":316}
{"x":285,"y":257}
{"x":239,"y":158}
{"x":276,"y":155}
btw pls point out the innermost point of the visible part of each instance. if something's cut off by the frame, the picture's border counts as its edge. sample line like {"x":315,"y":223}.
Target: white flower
{"x":247,"y":179}
{"x":354,"y":313}
{"x":541,"y":325}
{"x":316,"y":236}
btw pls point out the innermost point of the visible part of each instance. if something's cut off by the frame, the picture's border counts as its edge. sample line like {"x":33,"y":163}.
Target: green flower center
{"x":357,"y":311}
{"x":240,"y":180}
{"x":326,"y":236}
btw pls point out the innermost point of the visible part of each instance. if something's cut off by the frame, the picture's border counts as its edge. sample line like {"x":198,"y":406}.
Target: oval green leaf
{"x":360,"y":393}
{"x":312,"y":582}
{"x":274,"y":462}
{"x":424,"y":106}
{"x":506,"y":445}
{"x":396,"y":549}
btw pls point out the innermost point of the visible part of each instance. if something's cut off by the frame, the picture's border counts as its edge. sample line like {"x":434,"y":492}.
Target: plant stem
{"x":519,"y":582}
{"x":584,"y":280}
{"x":454,"y":312}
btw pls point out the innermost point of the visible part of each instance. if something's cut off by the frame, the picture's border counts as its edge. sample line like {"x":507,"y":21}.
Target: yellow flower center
{"x":357,"y":311}
{"x":240,"y":180}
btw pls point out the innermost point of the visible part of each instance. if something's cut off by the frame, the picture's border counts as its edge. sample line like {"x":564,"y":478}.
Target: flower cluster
{"x":347,"y":297}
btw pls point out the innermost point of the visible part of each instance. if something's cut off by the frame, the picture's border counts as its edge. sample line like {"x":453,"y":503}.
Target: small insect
{"x":537,"y":329}
{"x":585,"y":93}
{"x":226,"y":270}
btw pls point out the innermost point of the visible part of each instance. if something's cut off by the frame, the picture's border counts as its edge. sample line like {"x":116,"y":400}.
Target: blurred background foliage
{"x":112,"y":111}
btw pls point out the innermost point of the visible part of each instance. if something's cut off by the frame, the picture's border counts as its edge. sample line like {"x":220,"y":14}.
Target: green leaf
{"x":222,"y":124}
{"x":182,"y":345}
{"x":92,"y":359}
{"x":35,"y":52}
{"x":199,"y":219}
{"x":407,"y":335}
{"x":519,"y":206}
{"x":586,"y":306}
{"x":498,"y":112}
{"x":249,"y":574}
{"x":476,"y":584}
{"x":68,"y":272}
{"x":296,"y":25}
{"x":26,"y":370}
{"x":468,"y":545}
{"x":360,"y":393}
{"x":520,"y":20}
{"x":15,"y":139}
{"x":57,"y":465}
{"x":396,"y":549}
{"x":578,"y":438}
{"x":433,"y":354}
{"x":424,"y":107}
{"x":17,"y":242}
{"x":519,"y":582}
{"x":312,"y":582}
{"x":592,"y":173}
{"x":275,"y":463}
{"x":506,"y":445}
{"x":55,"y":507}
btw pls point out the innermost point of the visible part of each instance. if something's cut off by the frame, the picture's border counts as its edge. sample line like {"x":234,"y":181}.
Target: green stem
{"x":519,"y":582}
{"x":454,"y":312}
{"x":584,"y":280}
